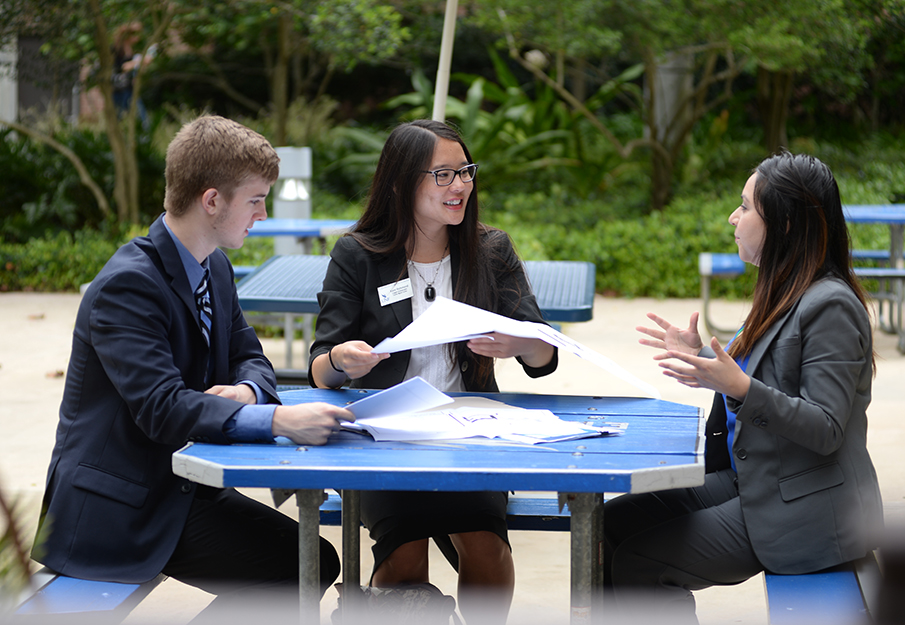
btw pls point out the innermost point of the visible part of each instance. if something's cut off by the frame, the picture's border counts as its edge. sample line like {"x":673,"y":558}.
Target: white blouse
{"x":432,"y":363}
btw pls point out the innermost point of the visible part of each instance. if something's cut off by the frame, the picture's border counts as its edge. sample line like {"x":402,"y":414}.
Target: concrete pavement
{"x":35,"y":338}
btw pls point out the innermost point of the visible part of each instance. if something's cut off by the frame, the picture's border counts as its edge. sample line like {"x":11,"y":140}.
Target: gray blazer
{"x":808,"y":489}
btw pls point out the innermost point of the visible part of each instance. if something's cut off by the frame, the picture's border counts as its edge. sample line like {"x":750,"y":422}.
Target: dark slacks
{"x":661,"y":546}
{"x":246,"y":553}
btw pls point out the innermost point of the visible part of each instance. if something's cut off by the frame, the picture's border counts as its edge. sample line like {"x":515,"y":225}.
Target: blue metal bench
{"x":891,"y":286}
{"x":879,"y":256}
{"x":241,"y":271}
{"x":717,"y":266}
{"x":290,"y":284}
{"x":842,"y":595}
{"x":62,"y":597}
{"x":889,"y":294}
{"x":524,"y":512}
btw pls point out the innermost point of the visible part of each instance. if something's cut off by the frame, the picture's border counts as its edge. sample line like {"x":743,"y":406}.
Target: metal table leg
{"x":309,"y":502}
{"x":896,"y":244}
{"x":288,"y":336}
{"x":587,"y":557}
{"x":351,"y":520}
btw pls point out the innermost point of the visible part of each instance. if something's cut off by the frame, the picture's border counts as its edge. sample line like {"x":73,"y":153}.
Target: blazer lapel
{"x":172,"y":264}
{"x":388,"y":270}
{"x":760,"y":348}
{"x":757,"y":354}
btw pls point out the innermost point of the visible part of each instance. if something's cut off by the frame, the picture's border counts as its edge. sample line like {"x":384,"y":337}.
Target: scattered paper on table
{"x":469,"y":417}
{"x":449,"y":321}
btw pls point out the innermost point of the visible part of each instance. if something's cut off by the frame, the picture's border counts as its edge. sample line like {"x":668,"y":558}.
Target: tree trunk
{"x":115,"y":137}
{"x":579,"y":80}
{"x":774,"y":92}
{"x":660,"y":180}
{"x":280,"y":78}
{"x":668,"y":85}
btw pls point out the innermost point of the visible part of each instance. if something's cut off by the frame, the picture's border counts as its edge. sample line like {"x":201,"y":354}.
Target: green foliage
{"x":652,"y":256}
{"x":519,"y":133}
{"x":60,"y":262}
{"x":357,"y":31}
{"x":579,"y":28}
{"x":657,"y":255}
{"x":42,"y":191}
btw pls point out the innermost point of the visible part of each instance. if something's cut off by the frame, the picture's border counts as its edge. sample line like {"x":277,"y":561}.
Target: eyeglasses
{"x":445,"y":177}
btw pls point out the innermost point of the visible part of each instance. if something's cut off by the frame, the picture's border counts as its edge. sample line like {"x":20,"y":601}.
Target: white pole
{"x":441,"y":89}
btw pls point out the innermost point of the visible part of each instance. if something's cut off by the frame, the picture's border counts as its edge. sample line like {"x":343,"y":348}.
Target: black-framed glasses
{"x":445,"y":177}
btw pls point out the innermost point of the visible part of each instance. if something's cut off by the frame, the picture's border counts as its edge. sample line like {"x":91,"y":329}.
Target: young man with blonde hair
{"x":162,"y":355}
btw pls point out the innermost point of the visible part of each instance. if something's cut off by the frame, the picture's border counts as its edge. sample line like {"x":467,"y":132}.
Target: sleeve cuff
{"x":539,"y":372}
{"x":251,"y":424}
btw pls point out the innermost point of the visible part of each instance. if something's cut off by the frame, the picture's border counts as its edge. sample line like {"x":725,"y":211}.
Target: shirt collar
{"x":194,"y":271}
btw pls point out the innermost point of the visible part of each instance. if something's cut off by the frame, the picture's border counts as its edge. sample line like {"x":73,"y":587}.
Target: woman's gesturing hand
{"x":721,"y":374}
{"x":672,"y":338}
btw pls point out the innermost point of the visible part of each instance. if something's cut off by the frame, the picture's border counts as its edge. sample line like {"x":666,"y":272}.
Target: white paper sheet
{"x":412,"y":395}
{"x":449,"y":321}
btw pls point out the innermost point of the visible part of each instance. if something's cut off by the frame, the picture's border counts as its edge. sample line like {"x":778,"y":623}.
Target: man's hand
{"x":239,"y":392}
{"x":309,"y":424}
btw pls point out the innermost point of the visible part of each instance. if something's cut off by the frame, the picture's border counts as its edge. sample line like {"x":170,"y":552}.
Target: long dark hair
{"x":388,"y":225}
{"x":805,"y":240}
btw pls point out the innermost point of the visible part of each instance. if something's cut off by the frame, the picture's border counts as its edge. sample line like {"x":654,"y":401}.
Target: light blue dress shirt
{"x":252,"y":423}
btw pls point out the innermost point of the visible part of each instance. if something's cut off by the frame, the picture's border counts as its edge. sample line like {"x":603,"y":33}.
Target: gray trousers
{"x":660,"y":546}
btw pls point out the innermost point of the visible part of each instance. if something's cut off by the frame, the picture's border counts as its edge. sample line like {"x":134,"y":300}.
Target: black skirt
{"x":398,"y":517}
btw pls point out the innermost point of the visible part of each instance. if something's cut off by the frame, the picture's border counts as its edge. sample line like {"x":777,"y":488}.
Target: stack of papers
{"x":411,"y":411}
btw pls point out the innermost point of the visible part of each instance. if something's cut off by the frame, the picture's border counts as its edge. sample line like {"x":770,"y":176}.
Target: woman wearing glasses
{"x":418,"y":239}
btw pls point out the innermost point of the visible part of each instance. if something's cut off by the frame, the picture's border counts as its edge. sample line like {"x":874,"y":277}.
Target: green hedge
{"x":61,"y":262}
{"x":653,"y":256}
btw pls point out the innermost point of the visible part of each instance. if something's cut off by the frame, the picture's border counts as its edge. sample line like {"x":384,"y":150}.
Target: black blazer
{"x":113,"y":509}
{"x":351,"y":310}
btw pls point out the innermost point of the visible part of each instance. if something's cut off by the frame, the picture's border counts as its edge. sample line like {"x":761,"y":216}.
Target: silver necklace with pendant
{"x":430,"y":293}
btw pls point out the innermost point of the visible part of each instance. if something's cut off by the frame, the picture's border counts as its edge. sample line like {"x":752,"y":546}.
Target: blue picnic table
{"x":662,"y":448}
{"x":301,"y":228}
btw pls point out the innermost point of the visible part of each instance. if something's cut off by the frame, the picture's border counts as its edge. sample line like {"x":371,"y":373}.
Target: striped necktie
{"x":203,"y":302}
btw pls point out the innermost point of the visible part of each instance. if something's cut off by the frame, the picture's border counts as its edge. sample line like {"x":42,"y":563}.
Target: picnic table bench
{"x":87,"y":601}
{"x":841,"y":595}
{"x":891,"y":286}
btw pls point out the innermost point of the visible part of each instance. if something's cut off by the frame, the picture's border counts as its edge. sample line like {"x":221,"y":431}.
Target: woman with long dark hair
{"x":419,"y":238}
{"x":790,"y":487}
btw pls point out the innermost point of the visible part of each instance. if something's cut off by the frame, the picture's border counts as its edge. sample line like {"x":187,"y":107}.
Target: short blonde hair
{"x":213,"y":152}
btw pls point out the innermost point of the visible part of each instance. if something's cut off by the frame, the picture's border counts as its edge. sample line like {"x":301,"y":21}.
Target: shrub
{"x":60,"y":262}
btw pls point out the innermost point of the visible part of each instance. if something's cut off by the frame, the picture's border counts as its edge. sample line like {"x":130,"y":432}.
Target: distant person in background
{"x":126,"y":62}
{"x":790,"y":487}
{"x":420,"y":238}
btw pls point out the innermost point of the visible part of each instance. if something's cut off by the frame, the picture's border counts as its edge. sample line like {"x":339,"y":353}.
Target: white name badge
{"x":397,"y":291}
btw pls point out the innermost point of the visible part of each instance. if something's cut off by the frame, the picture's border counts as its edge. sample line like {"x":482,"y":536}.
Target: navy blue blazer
{"x":113,"y":509}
